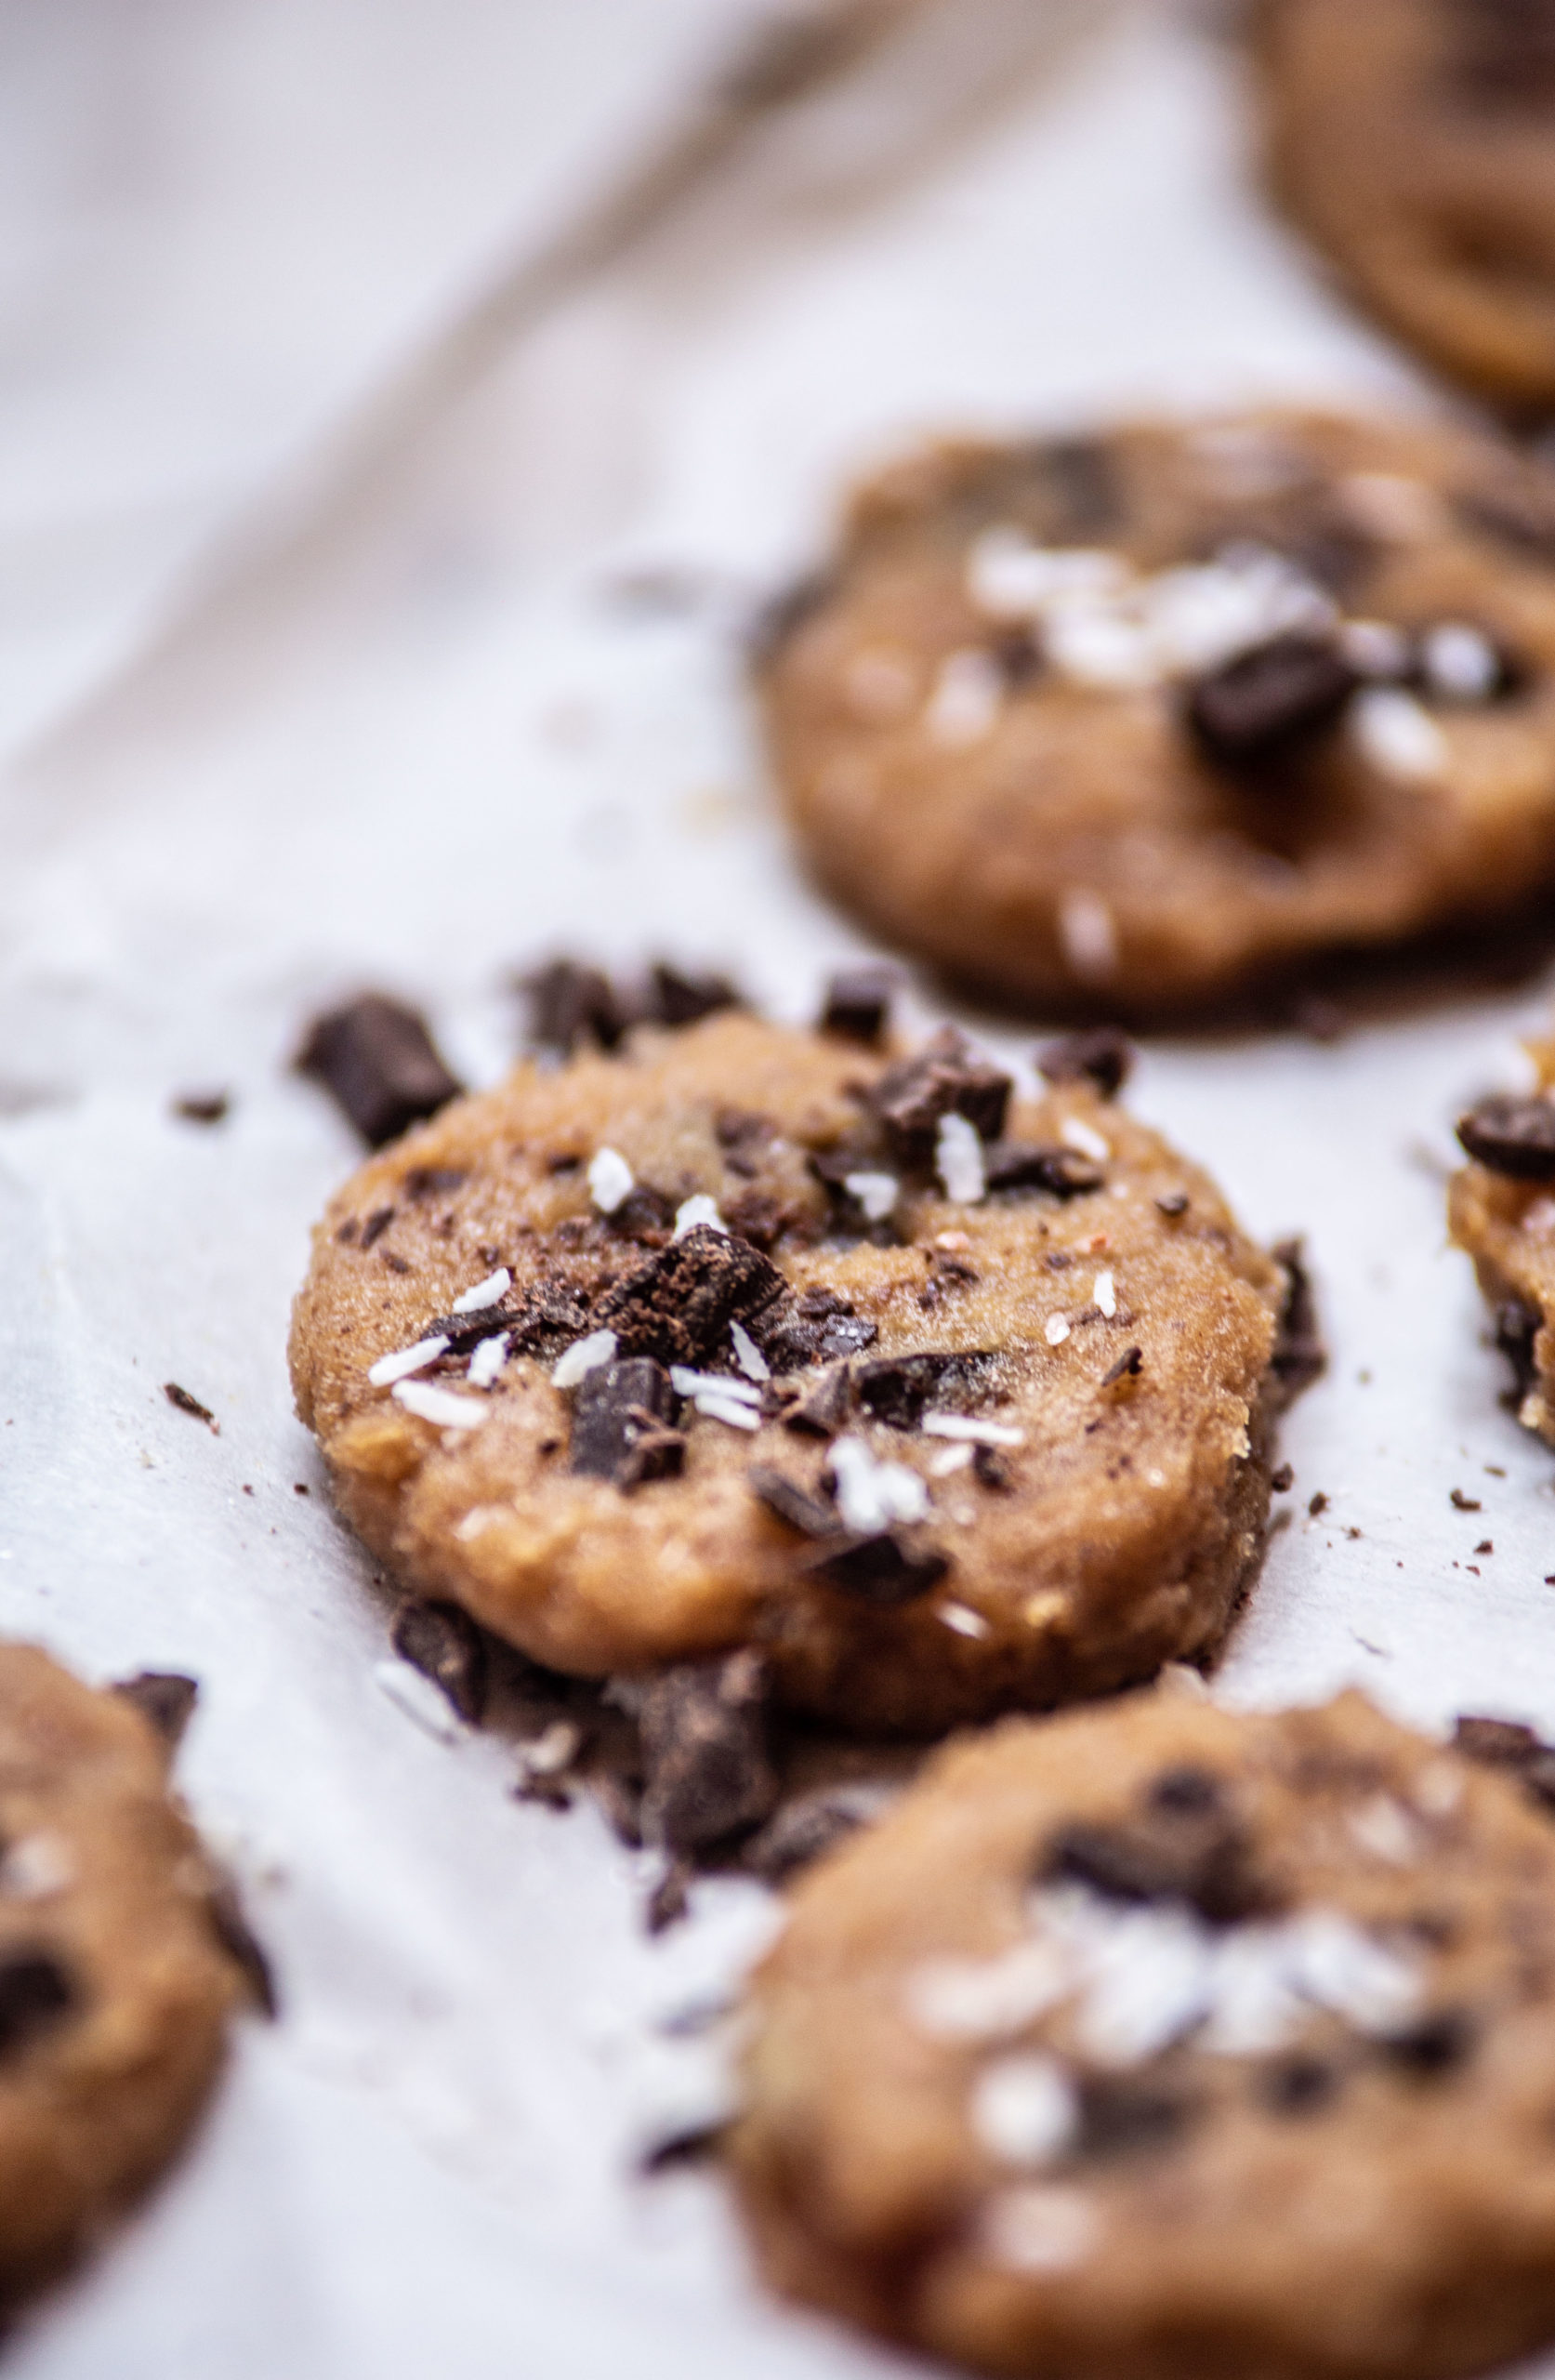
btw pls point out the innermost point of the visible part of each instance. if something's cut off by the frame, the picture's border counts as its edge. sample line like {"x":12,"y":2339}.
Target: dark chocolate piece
{"x":1029,"y":1165}
{"x":743,"y":1134}
{"x":237,"y":1937}
{"x":433,"y":1180}
{"x":900,"y":1389}
{"x":1101,"y":1055}
{"x":1184,"y":1848}
{"x":946,"y":1077}
{"x":990,"y":1469}
{"x":645,"y":1216}
{"x":894,"y":1567}
{"x":1081,"y":488}
{"x":1506,"y":1743}
{"x":1130,"y":1365}
{"x":444,"y":1644}
{"x":679,"y":998}
{"x":376,"y":1225}
{"x":826,"y":1412}
{"x":551,"y":1314}
{"x":164,"y":1697}
{"x":181,"y":1398}
{"x":710,"y":1775}
{"x":35,"y":1993}
{"x":1298,"y":2085}
{"x":1462,"y":1503}
{"x":1434,"y":2045}
{"x":621,"y":1424}
{"x":1119,"y":2116}
{"x":678,"y":1307}
{"x":569,"y":1002}
{"x":757,"y":1216}
{"x":1283,"y":1480}
{"x":793,"y":1503}
{"x":203,"y":1106}
{"x":1265,"y":704}
{"x":858,"y":1003}
{"x":463,"y":1332}
{"x":377,"y":1061}
{"x":1299,"y":1357}
{"x":1517,"y":1327}
{"x":1512,"y":1135}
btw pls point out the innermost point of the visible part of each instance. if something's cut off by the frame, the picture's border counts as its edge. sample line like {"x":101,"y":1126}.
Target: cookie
{"x":1414,"y":140}
{"x":1161,"y":2042}
{"x":120,"y":1959}
{"x":1138,"y":722}
{"x":940,"y":1398}
{"x":1501,"y":1211}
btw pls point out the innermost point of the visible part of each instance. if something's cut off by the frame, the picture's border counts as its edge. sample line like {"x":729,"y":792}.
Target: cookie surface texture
{"x":115,"y":1986}
{"x":1139,"y":723}
{"x":1415,"y":142}
{"x":1501,"y":1213}
{"x":1161,"y":2042}
{"x":942,"y":1411}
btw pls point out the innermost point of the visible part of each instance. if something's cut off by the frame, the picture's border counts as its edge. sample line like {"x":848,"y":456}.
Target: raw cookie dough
{"x":1158,"y":2043}
{"x":966,"y":1405}
{"x":1133,"y":723}
{"x":117,"y":1972}
{"x":1415,"y":142}
{"x":1501,"y":1211}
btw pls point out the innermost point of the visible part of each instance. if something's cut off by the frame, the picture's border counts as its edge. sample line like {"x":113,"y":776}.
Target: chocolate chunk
{"x":377,"y":1061}
{"x":203,"y":1106}
{"x":744,"y":1135}
{"x":900,"y":1389}
{"x":621,"y":1418}
{"x":946,"y":1077}
{"x":434,"y":1181}
{"x":1517,"y":1327}
{"x":570,"y":1003}
{"x":35,"y":1993}
{"x":710,"y":1775}
{"x":991,"y":1470}
{"x":1283,"y":1480}
{"x":678,"y":1307}
{"x":1298,"y":2085}
{"x":238,"y":1938}
{"x":1505,"y":54}
{"x":786,"y":612}
{"x":1119,"y":2116}
{"x":678,"y":998}
{"x":761,"y":1219}
{"x":189,"y":1405}
{"x":1080,"y":488}
{"x":1299,"y":1357}
{"x":164,"y":1697}
{"x":1031,"y":1165}
{"x":1317,"y":1504}
{"x":1518,"y":511}
{"x":1498,"y":1743}
{"x":817,"y":1326}
{"x":804,"y":1832}
{"x":1433,"y":2044}
{"x":377,"y":1224}
{"x":463,"y":1332}
{"x":550,"y":1316}
{"x":1019,"y":655}
{"x":1266,"y":704}
{"x":1512,"y":1135}
{"x":827,"y":1409}
{"x":1462,"y":1503}
{"x":793,"y":1503}
{"x":1187,"y":1789}
{"x":1130,"y":1365}
{"x":895,"y":1567}
{"x":444,"y":1644}
{"x":1103,"y":1056}
{"x":1188,"y":1849}
{"x":858,"y":1003}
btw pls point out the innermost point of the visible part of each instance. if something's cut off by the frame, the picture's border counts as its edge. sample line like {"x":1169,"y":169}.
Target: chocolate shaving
{"x":708,"y":1773}
{"x":946,"y":1077}
{"x":1265,"y":704}
{"x":203,"y":1106}
{"x":1172,"y":1204}
{"x":857,"y":1005}
{"x":569,"y":1002}
{"x":463,"y":1332}
{"x":181,"y":1398}
{"x":894,"y":1567}
{"x":1298,"y":2085}
{"x":826,"y":1412}
{"x":444,"y":1644}
{"x":1102,"y":1056}
{"x":621,"y":1424}
{"x":678,"y":1307}
{"x":757,"y":1216}
{"x":678,"y":998}
{"x":1029,"y":1165}
{"x":742,"y":1135}
{"x":1511,"y":1135}
{"x":991,"y":1470}
{"x":376,"y":1225}
{"x":645,"y":1216}
{"x":377,"y":1061}
{"x":1130,"y":1365}
{"x":1517,"y":1327}
{"x":35,"y":1993}
{"x":164,"y":1697}
{"x":1299,"y":1357}
{"x":793,"y":1503}
{"x":550,"y":1316}
{"x":898,"y":1390}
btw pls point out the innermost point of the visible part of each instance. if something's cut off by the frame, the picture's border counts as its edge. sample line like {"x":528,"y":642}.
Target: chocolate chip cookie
{"x":941,"y":1398}
{"x":1501,"y":1211}
{"x":121,"y":1960}
{"x":1415,"y":142}
{"x":1161,"y":2042}
{"x":1133,"y":723}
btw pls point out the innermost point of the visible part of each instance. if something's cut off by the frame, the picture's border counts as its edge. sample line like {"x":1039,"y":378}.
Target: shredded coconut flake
{"x":1403,"y":511}
{"x":495,"y":1285}
{"x":1375,"y":648}
{"x":747,"y":1354}
{"x":442,"y":1407}
{"x":1025,"y":2109}
{"x":1104,"y":1295}
{"x":1150,"y":1984}
{"x":1396,"y":736}
{"x":1385,"y":1829}
{"x":875,"y":1193}
{"x":958,"y":1160}
{"x":872,"y":1496}
{"x":685,"y":1383}
{"x":953,"y":1458}
{"x":36,"y":1867}
{"x":1089,"y":937}
{"x":967,"y":697}
{"x":1056,"y":1330}
{"x":487,"y":1361}
{"x":725,"y":1408}
{"x":1460,"y":662}
{"x":975,"y":1431}
{"x":1080,"y":1136}
{"x":1040,"y":2229}
{"x":611,"y":1180}
{"x":400,"y":1365}
{"x":700,"y":1209}
{"x":419,"y":1700}
{"x":1008,"y":578}
{"x":963,"y":1619}
{"x":583,"y":1357}
{"x":987,"y":2000}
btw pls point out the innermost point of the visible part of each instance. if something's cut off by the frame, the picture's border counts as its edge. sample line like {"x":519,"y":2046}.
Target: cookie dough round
{"x":1134,"y":723}
{"x":1415,"y":142}
{"x":1501,"y":1211}
{"x":115,"y":1982}
{"x":1159,"y":2042}
{"x":993,"y":1429}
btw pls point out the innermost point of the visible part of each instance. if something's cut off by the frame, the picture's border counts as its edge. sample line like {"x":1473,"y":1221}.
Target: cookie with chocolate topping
{"x":1161,"y":2040}
{"x":1286,"y":692}
{"x":122,"y":1957}
{"x":1501,"y":1211}
{"x":1415,"y":142}
{"x":961,"y":1431}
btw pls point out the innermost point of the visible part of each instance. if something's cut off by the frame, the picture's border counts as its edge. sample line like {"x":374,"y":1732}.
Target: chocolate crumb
{"x":569,"y":1002}
{"x":1130,"y":1365}
{"x":1299,"y":1355}
{"x":857,"y":1005}
{"x":991,"y":1470}
{"x":35,"y":1993}
{"x":1283,"y":1480}
{"x":1265,"y":704}
{"x":163,"y":1696}
{"x":1484,"y":1546}
{"x":444,"y":1644}
{"x":377,"y":1059}
{"x":669,"y":1900}
{"x":301,"y":1487}
{"x":1102,"y":1056}
{"x":893,"y":1568}
{"x":377,"y":1224}
{"x":1298,"y":2085}
{"x":1462,"y":1503}
{"x":203,"y":1106}
{"x":395,"y":1263}
{"x":1317,"y":1504}
{"x":946,"y":1077}
{"x":621,"y":1424}
{"x":237,"y":1937}
{"x":181,"y":1398}
{"x":793,"y":1503}
{"x":1512,"y":1135}
{"x":708,"y":1772}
